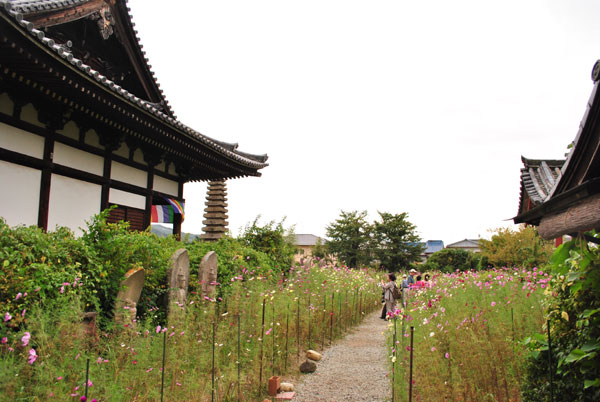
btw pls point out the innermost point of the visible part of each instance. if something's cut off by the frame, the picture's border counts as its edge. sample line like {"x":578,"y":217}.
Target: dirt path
{"x":353,"y":369}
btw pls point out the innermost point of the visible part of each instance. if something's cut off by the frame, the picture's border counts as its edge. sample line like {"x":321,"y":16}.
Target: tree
{"x":451,"y":259}
{"x":395,"y":243}
{"x":522,"y":248}
{"x":272,"y":239}
{"x":349,"y":238}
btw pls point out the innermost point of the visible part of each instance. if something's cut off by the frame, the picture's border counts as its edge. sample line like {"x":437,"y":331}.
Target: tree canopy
{"x":349,"y":238}
{"x":510,"y":248}
{"x":395,"y":243}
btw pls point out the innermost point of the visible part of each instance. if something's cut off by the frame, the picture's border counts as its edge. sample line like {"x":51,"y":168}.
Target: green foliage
{"x":35,"y":265}
{"x":320,"y":251}
{"x":117,"y":250}
{"x":272,"y":239}
{"x":452,"y":259}
{"x":574,"y":316}
{"x":234,"y":259}
{"x":395,"y":242}
{"x":349,"y":238}
{"x":522,"y":248}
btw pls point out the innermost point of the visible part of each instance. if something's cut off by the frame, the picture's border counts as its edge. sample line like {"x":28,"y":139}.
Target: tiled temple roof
{"x":18,"y":8}
{"x":538,"y":178}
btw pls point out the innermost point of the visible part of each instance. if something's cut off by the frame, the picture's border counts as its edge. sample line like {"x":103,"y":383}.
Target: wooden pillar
{"x":149,"y":185}
{"x":177,"y":218}
{"x":45,"y":183}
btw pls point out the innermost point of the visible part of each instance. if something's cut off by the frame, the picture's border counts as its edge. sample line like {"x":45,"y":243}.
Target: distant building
{"x":466,"y":244}
{"x":306,"y":244}
{"x":431,"y":246}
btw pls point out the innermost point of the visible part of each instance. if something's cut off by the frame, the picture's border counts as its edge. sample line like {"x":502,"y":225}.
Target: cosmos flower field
{"x":467,"y":330}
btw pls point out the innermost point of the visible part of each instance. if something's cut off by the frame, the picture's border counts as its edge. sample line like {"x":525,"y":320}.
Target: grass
{"x":308,"y":309}
{"x":467,"y":332}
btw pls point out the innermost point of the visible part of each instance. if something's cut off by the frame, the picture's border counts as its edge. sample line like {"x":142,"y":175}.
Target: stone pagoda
{"x":215,"y":213}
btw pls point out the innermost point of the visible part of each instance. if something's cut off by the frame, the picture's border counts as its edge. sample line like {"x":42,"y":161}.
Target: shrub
{"x":452,"y":259}
{"x":574,"y":317}
{"x":273,"y":240}
{"x":521,"y":248}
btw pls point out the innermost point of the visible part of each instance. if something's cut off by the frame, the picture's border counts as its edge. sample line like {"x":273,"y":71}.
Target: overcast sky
{"x":422,"y":107}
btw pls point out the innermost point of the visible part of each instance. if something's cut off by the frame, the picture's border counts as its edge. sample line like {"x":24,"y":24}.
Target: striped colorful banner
{"x":162,"y":214}
{"x":165,"y":213}
{"x":178,"y":206}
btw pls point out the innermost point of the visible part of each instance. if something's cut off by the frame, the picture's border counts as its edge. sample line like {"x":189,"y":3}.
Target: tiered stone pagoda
{"x":215,"y":213}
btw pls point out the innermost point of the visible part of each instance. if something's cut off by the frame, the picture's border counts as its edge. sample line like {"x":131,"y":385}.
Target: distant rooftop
{"x":308,"y":240}
{"x":432,"y":246}
{"x":466,"y":243}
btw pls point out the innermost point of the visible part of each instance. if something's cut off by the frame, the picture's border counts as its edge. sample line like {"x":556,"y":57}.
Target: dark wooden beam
{"x":580,"y":217}
{"x":45,"y":184}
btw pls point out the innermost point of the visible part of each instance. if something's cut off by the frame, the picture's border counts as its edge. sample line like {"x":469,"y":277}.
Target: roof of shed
{"x":308,"y":240}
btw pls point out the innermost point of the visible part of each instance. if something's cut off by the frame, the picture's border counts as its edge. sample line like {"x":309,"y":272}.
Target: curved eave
{"x":77,"y":66}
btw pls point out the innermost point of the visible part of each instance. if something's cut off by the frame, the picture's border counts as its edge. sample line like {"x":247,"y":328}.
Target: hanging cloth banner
{"x":162,"y":214}
{"x":178,"y":206}
{"x":165,"y":213}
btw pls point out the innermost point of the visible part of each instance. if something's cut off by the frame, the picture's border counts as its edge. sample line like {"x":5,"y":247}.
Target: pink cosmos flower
{"x":59,"y":378}
{"x":268,"y":331}
{"x":83,"y":398}
{"x":4,"y":340}
{"x":23,"y":313}
{"x":493,"y":304}
{"x":32,"y":356}
{"x":62,"y":289}
{"x":433,"y":348}
{"x":158,"y":329}
{"x":19,"y":295}
{"x":447,"y":355}
{"x":7,"y":317}
{"x":25,"y":339}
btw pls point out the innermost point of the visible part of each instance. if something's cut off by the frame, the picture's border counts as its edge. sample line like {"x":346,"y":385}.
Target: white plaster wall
{"x":138,"y":156}
{"x":166,"y":186}
{"x":75,"y":158}
{"x":92,"y":138}
{"x":20,"y":198}
{"x":127,"y":174}
{"x":123,"y":151}
{"x":72,"y":203}
{"x":126,"y":199}
{"x":70,"y":130}
{"x":30,"y":115}
{"x":17,"y":140}
{"x":172,"y":169}
{"x":6,"y":105}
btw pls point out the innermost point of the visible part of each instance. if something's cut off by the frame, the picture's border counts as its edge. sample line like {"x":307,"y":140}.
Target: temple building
{"x":571,"y":205}
{"x":84,"y":124}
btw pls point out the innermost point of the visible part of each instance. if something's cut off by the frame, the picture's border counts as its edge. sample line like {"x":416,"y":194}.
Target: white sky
{"x":421,"y":106}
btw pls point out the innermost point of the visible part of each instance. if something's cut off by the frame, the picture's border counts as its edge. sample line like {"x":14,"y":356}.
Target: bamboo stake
{"x":239,"y":359}
{"x":212,"y":391}
{"x":162,"y":380}
{"x":550,"y":363}
{"x":287,"y":333}
{"x":412,"y":332}
{"x":87,"y":376}
{"x":331,"y":319}
{"x":298,"y":329}
{"x":324,"y":328}
{"x":262,"y":342}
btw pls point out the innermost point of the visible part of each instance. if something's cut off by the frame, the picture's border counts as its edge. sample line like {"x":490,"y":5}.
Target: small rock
{"x":312,"y":355}
{"x":286,"y":387}
{"x":308,"y":367}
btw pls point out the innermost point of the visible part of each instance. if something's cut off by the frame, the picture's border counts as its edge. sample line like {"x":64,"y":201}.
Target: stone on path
{"x":285,"y":396}
{"x":308,"y":367}
{"x":312,"y":355}
{"x":286,"y":387}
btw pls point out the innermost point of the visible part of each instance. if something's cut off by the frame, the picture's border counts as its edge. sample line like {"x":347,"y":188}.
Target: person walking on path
{"x":388,"y":294}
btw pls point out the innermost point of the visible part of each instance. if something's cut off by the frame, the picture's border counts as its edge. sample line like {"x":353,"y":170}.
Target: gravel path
{"x":353,"y":369}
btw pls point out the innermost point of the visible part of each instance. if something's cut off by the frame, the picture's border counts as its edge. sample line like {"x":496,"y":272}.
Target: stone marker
{"x":274,"y":383}
{"x":312,"y":355}
{"x":308,"y":367}
{"x":129,"y":295}
{"x":286,"y":387}
{"x":207,"y":274}
{"x":179,"y":277}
